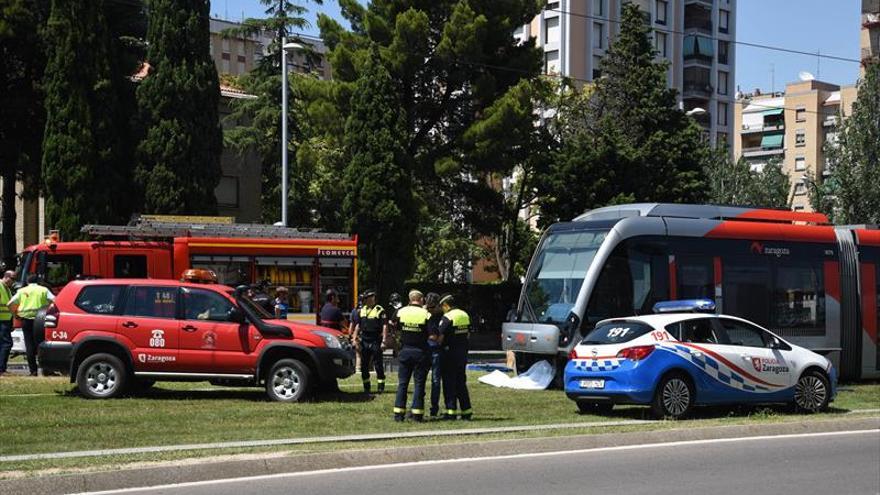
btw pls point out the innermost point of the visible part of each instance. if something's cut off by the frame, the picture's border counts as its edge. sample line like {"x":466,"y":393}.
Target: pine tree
{"x":735,"y":183}
{"x":178,"y":159}
{"x":85,"y":173}
{"x":851,"y":193}
{"x":630,"y":143}
{"x":379,"y":200}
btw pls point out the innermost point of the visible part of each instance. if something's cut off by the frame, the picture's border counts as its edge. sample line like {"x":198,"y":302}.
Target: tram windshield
{"x":559,"y":269}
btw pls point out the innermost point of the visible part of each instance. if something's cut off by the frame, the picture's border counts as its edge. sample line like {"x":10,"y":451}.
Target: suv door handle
{"x":189,"y":328}
{"x":130,"y":324}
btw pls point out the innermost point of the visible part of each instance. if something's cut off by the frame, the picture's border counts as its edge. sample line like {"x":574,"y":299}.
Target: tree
{"x":450,"y":61}
{"x":629,"y":142}
{"x":734,"y":183}
{"x":851,"y":193}
{"x":84,"y":169}
{"x":178,"y":159}
{"x":22,"y":61}
{"x":378,"y":181}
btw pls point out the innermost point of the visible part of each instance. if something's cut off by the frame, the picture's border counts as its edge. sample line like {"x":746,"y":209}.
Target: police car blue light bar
{"x":685,"y":306}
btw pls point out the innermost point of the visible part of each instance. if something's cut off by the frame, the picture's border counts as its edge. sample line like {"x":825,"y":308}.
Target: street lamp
{"x":284,"y":47}
{"x":695,"y":111}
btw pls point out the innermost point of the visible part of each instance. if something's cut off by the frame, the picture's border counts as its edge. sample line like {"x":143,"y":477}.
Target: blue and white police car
{"x":684,"y":356}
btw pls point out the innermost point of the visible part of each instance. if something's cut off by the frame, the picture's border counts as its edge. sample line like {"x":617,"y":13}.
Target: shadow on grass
{"x":714,"y":412}
{"x":251,"y":395}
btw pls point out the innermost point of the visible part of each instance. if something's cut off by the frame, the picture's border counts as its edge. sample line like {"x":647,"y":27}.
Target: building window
{"x":800,"y":164}
{"x":722,"y":82}
{"x":800,"y":138}
{"x":723,"y":51}
{"x":519,"y":33}
{"x":662,"y":6}
{"x":798,"y":208}
{"x":551,"y":62}
{"x":800,"y":189}
{"x":551,"y":30}
{"x":227,"y":192}
{"x":598,"y":35}
{"x":225,"y":63}
{"x":226,"y":45}
{"x":722,"y":113}
{"x":552,"y":6}
{"x":800,"y":114}
{"x":660,"y":43}
{"x":597,"y":67}
{"x":598,"y":7}
{"x":723,"y":21}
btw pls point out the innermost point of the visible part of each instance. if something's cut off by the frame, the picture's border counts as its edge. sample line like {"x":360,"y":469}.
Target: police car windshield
{"x":616,"y":332}
{"x":558,"y":272}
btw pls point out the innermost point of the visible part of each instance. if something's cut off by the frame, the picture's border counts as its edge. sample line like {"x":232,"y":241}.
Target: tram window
{"x":799,"y":300}
{"x":696,"y":277}
{"x":747,"y":289}
{"x":613,"y":295}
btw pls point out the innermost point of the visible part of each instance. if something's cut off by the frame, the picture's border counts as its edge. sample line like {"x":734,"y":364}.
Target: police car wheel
{"x":101,"y":376}
{"x":599,"y":408}
{"x":673,"y":398}
{"x":289,"y":380}
{"x":812,"y":392}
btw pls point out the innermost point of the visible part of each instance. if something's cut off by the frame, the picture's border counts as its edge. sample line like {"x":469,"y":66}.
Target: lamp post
{"x":284,"y":193}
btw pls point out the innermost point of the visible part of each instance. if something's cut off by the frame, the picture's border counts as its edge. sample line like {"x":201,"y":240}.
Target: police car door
{"x":764,"y":372}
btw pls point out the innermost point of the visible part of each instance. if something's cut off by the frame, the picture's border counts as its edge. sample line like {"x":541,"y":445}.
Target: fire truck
{"x":307,"y":263}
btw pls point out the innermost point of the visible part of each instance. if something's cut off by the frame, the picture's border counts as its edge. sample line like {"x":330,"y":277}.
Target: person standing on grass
{"x":454,"y":328}
{"x":5,"y":319}
{"x":369,"y":335}
{"x":25,"y":304}
{"x":415,"y":359}
{"x":432,"y":304}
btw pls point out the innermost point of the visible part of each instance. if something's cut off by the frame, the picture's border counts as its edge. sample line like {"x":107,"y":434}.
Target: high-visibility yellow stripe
{"x":399,"y":410}
{"x":450,"y":412}
{"x":380,"y":380}
{"x":467,"y":411}
{"x":418,"y":411}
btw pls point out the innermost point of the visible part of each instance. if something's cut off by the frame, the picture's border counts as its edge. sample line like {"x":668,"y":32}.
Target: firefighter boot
{"x":380,"y":387}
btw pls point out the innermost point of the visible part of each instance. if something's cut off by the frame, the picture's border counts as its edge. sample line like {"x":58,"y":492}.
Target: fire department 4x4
{"x":125,"y":334}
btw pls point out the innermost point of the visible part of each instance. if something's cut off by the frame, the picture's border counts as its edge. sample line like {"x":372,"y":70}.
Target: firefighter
{"x":432,"y":304}
{"x":331,"y":316}
{"x":415,"y":358}
{"x":369,"y":334}
{"x":454,"y":328}
{"x":25,"y":304}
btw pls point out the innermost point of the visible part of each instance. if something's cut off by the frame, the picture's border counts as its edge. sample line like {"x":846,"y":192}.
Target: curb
{"x":171,"y":472}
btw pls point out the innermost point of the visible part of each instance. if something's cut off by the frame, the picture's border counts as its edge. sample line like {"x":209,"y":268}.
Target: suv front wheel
{"x":289,"y":380}
{"x":101,"y":376}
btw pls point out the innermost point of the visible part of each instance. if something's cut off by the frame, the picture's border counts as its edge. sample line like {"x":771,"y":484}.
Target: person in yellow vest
{"x":454,"y":329}
{"x":25,"y":304}
{"x":414,"y":357}
{"x":369,"y":336}
{"x":5,"y":319}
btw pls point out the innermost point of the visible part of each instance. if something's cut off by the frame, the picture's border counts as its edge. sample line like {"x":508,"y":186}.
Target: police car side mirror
{"x":779,"y":345}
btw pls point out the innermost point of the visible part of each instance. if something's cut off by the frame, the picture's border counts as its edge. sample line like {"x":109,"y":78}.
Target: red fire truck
{"x":307,"y":263}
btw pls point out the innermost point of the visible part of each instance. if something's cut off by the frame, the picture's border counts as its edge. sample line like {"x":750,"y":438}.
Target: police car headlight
{"x":330,"y":340}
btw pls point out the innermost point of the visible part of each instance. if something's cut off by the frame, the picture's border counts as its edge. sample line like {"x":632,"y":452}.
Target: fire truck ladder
{"x":144,"y":230}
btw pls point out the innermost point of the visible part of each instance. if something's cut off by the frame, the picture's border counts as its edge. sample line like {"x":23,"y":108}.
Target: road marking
{"x":486,"y":458}
{"x":313,"y":440}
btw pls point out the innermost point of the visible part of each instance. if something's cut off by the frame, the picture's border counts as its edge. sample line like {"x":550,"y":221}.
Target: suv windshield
{"x":558,"y":273}
{"x":256,"y":308}
{"x":616,"y":332}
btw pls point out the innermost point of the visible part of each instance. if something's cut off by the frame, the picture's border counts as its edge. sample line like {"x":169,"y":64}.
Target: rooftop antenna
{"x":772,"y":78}
{"x":226,"y":10}
{"x":818,"y":63}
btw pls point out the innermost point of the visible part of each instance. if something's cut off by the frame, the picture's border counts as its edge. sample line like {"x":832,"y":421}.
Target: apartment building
{"x":870,"y":37}
{"x":695,"y":36}
{"x":237,"y":55}
{"x":792,"y":126}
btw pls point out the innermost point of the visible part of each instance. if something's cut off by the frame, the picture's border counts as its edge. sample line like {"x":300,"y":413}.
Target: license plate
{"x":592,"y":383}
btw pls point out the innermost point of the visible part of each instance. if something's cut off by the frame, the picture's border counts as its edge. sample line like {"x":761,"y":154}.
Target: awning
{"x":704,"y":45}
{"x":773,"y":111}
{"x":772,"y":141}
{"x":689,"y":45}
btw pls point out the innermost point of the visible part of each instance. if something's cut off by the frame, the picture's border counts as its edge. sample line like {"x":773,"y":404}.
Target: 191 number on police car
{"x":616,"y":332}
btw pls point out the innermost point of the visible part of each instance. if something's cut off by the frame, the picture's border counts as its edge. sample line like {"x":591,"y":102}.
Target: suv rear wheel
{"x":101,"y":376}
{"x":289,"y":380}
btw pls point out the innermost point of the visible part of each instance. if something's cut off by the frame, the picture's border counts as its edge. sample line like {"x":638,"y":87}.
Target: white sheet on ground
{"x":538,"y":377}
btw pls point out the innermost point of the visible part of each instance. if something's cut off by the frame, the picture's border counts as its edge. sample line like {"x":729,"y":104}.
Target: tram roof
{"x":710,"y":212}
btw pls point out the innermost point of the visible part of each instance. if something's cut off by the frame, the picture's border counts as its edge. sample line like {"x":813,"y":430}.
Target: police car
{"x":685,"y":356}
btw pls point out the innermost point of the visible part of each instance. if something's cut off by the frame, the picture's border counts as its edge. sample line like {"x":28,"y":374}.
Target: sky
{"x":828,"y":26}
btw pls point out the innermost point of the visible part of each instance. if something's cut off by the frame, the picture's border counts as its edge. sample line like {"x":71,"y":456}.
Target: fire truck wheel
{"x":101,"y":376}
{"x":289,"y":380}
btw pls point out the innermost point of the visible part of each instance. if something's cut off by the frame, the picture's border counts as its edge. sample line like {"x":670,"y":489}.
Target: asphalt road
{"x":797,"y":464}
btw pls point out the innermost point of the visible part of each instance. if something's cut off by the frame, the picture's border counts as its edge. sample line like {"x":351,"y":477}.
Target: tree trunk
{"x":7,"y":209}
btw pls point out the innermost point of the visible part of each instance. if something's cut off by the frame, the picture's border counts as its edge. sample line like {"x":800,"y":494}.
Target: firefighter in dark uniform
{"x":414,"y":358}
{"x":454,"y":328}
{"x":369,"y":334}
{"x":432,"y":304}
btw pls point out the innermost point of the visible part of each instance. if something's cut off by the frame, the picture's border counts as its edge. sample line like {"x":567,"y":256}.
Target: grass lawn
{"x":46,"y":415}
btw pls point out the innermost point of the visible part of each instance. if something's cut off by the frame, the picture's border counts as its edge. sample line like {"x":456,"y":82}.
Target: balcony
{"x":751,"y":129}
{"x":870,"y":20}
{"x":758,"y":151}
{"x":697,"y":90}
{"x":698,"y":17}
{"x":869,"y":55}
{"x":870,"y":5}
{"x":706,"y":3}
{"x":830,"y":121}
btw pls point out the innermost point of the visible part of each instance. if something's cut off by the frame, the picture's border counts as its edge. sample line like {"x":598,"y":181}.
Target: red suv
{"x":124,"y":334}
